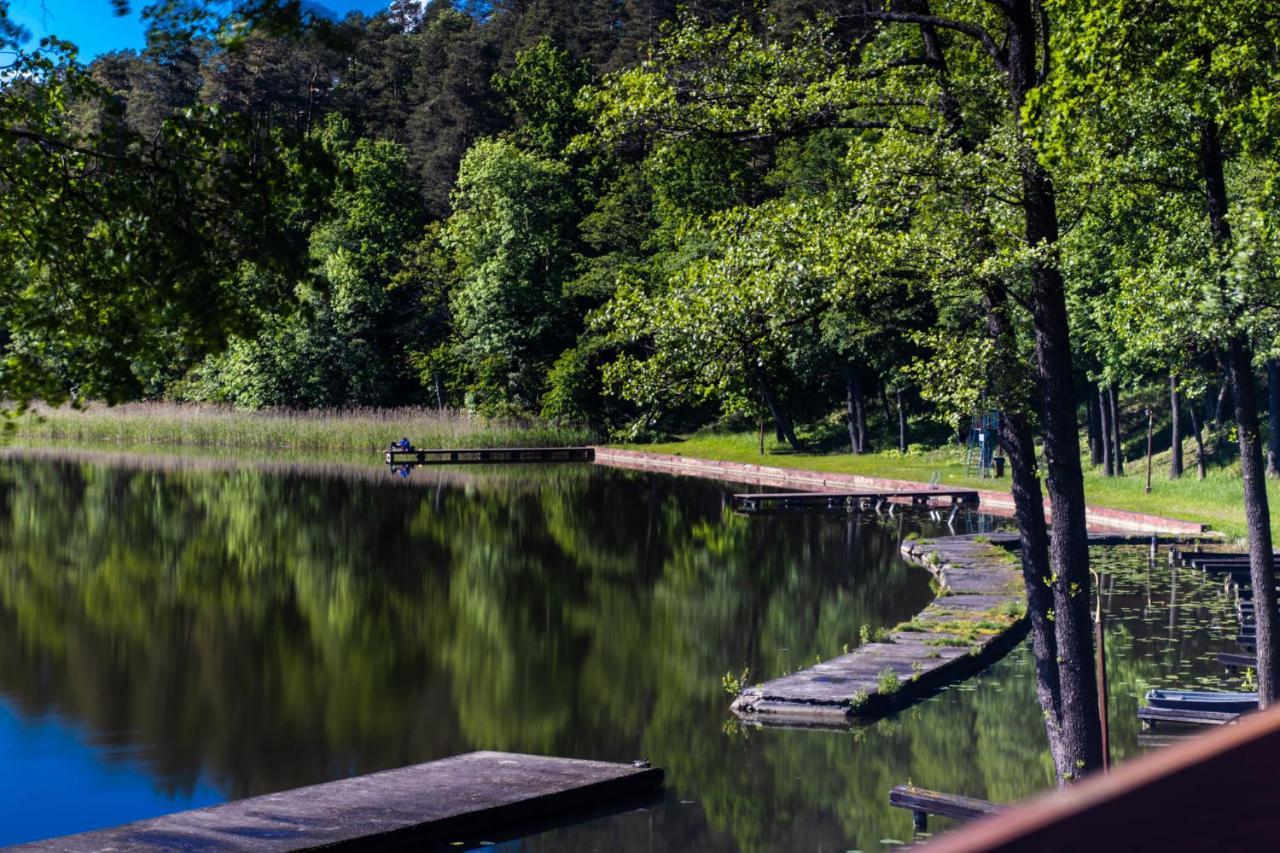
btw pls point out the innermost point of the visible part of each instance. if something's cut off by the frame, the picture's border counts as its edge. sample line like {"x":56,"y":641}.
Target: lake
{"x":178,"y":631}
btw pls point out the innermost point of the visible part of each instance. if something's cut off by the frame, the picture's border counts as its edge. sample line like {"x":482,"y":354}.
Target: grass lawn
{"x":1217,"y":500}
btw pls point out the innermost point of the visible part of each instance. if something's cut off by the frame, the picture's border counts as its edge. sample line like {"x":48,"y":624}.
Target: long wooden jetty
{"x":488,"y":455}
{"x":481,"y":796}
{"x":758,"y":502}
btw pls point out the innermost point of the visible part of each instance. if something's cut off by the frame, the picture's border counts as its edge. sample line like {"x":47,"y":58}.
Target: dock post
{"x":919,"y":821}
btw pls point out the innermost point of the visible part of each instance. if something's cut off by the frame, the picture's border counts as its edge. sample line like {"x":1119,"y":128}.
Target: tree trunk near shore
{"x":856,"y":408}
{"x":1175,"y":428}
{"x":1117,"y":445}
{"x":1104,"y":425}
{"x":902,"y":423}
{"x":1258,"y":523}
{"x":1257,"y":512}
{"x":1063,"y":641}
{"x":1273,"y":417}
{"x":1094,"y":421}
{"x":1080,"y":725}
{"x":780,"y":419}
{"x":1197,"y":429}
{"x":1224,"y":399}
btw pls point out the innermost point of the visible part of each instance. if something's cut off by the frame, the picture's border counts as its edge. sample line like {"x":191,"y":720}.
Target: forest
{"x":860,"y":223}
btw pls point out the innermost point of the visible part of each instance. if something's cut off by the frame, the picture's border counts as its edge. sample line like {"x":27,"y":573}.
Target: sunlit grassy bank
{"x":346,"y":431}
{"x":1217,"y":500}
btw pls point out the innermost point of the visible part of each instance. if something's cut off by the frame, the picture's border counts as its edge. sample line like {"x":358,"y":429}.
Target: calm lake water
{"x":175,"y":633}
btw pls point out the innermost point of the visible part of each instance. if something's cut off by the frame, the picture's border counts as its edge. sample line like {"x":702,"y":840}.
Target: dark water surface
{"x":174,"y":634}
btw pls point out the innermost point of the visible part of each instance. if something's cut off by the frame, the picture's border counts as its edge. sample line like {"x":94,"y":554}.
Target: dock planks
{"x":475,"y":795}
{"x":982,"y":586}
{"x":489,"y":455}
{"x":758,"y":502}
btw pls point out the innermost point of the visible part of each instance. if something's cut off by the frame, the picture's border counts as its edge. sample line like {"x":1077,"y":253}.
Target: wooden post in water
{"x":1100,"y":672}
{"x":1150,"y":427}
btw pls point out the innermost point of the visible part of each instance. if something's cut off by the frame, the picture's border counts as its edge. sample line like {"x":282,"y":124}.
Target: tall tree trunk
{"x":851,"y":411}
{"x":1117,"y":446}
{"x":902,"y":422}
{"x":1094,"y":419}
{"x":1257,"y":512}
{"x":858,"y":402}
{"x":1175,"y":428}
{"x":1074,"y":738}
{"x":780,"y":418}
{"x":1224,"y":398}
{"x":1104,"y":419}
{"x":1197,"y":429}
{"x":1257,"y":516}
{"x":1273,"y":417}
{"x":1069,"y":543}
{"x":439,"y":390}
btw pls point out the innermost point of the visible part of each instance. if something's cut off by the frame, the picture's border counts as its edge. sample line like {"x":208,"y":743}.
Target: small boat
{"x":1199,"y":700}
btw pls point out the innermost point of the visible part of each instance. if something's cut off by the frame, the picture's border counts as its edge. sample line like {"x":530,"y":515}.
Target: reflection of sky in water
{"x":169,"y":638}
{"x":52,"y":777}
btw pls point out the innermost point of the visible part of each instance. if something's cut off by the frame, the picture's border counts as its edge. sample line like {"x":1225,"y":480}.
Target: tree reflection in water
{"x":268,"y":629}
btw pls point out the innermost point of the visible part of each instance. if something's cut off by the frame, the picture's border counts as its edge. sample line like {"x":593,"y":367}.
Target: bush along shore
{"x":354,"y":430}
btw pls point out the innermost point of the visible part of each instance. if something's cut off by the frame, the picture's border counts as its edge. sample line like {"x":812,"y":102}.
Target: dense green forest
{"x":647,"y":218}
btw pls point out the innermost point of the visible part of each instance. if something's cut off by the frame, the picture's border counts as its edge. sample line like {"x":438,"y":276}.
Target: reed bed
{"x":356,"y":430}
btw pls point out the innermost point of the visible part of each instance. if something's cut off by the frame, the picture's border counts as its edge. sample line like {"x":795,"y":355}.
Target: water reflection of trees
{"x":270,"y":630}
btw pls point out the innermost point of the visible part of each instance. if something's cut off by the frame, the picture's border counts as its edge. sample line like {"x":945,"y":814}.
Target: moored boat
{"x":1200,"y":700}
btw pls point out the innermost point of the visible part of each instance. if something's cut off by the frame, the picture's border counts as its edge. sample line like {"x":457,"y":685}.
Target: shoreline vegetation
{"x":353,"y":430}
{"x":1217,"y":500}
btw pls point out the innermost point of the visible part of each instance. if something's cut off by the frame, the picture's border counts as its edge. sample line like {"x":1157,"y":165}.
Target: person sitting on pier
{"x":402,"y":444}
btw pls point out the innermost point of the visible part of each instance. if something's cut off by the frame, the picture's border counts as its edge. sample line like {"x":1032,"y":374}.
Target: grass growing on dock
{"x":344,"y":430}
{"x":1218,"y":500}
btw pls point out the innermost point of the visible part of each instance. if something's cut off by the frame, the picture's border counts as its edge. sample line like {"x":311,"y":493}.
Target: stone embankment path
{"x":976,"y":618}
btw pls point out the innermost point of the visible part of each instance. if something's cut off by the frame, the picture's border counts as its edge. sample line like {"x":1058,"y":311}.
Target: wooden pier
{"x":490,"y":455}
{"x":467,"y":799}
{"x":923,"y":802}
{"x":762,"y":502}
{"x":975,"y":620}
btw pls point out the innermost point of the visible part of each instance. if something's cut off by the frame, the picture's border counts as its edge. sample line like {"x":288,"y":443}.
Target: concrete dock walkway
{"x":473,"y":796}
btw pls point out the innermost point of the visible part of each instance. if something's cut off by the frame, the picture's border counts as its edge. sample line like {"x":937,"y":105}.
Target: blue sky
{"x":94,"y":26}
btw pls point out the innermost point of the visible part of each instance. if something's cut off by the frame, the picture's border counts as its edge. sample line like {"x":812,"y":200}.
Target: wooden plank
{"x":1240,"y":661}
{"x":1182,"y":716}
{"x":940,"y":804}
{"x":441,"y":802}
{"x":488,"y":455}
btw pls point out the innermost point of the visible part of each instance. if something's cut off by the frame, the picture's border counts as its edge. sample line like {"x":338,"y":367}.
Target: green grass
{"x":345,"y":431}
{"x":1218,"y":500}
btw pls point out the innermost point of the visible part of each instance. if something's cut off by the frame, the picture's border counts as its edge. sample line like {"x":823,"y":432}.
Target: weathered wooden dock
{"x":975,"y":619}
{"x":923,"y":802}
{"x":489,"y":455}
{"x":761,"y":502}
{"x":469,"y":798}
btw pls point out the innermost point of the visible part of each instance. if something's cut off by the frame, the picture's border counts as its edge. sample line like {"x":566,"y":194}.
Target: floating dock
{"x":481,"y":796}
{"x":975,"y":619}
{"x":847,"y":501}
{"x":489,"y":455}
